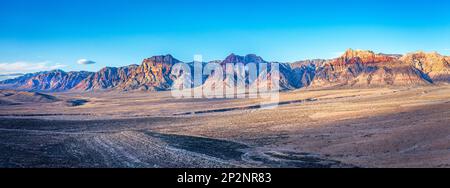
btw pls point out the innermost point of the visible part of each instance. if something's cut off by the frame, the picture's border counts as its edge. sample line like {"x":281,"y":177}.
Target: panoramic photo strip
{"x":250,"y":86}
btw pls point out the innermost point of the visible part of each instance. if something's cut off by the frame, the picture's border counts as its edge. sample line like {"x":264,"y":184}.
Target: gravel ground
{"x":383,"y":127}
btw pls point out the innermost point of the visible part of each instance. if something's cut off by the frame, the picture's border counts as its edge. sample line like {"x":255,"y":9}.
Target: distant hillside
{"x":355,"y":68}
{"x":56,"y":80}
{"x":106,"y":78}
{"x":10,"y":97}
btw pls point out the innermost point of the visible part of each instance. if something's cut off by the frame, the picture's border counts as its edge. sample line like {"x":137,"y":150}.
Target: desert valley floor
{"x":382,"y":127}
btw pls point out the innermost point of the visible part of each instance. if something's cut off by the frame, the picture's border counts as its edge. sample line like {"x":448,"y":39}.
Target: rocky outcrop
{"x":56,"y":80}
{"x":304,"y":72}
{"x":436,"y":66}
{"x":263,"y":79}
{"x":153,"y":74}
{"x":362,"y":56}
{"x":106,"y":78}
{"x":250,"y":58}
{"x":355,"y":68}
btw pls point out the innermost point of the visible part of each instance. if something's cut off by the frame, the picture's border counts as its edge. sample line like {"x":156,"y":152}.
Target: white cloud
{"x":28,"y":67}
{"x":85,"y":62}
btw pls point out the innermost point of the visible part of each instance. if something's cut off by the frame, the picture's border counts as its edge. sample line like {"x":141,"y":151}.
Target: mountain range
{"x":355,"y":68}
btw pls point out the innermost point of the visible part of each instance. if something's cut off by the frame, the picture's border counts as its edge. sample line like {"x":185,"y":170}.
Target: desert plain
{"x":327,"y":128}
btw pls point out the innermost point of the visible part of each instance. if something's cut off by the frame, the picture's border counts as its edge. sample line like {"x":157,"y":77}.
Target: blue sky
{"x":46,"y":34}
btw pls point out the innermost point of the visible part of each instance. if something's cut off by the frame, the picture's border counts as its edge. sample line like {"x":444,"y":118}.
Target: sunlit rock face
{"x":153,"y":74}
{"x":285,"y":75}
{"x":357,"y":68}
{"x":56,"y":80}
{"x":436,"y":66}
{"x":354,"y":68}
{"x":106,"y":78}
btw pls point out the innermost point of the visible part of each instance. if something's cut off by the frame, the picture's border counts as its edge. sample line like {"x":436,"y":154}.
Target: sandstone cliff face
{"x":261,"y":80}
{"x":304,"y":72}
{"x":221,"y":74}
{"x":153,"y":74}
{"x":107,"y":78}
{"x":271,"y":79}
{"x":355,"y":68}
{"x":363,"y":56}
{"x":367,"y":69}
{"x":436,"y":66}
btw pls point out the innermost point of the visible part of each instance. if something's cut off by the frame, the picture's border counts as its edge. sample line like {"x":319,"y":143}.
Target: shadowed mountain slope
{"x":355,"y":68}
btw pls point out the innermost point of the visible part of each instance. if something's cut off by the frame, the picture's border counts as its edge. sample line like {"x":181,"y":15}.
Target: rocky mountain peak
{"x":104,"y":69}
{"x":250,"y":58}
{"x":355,"y":68}
{"x":233,"y":58}
{"x":161,"y":59}
{"x":363,"y":56}
{"x":434,"y":64}
{"x":153,"y":74}
{"x":421,"y":55}
{"x":350,"y":53}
